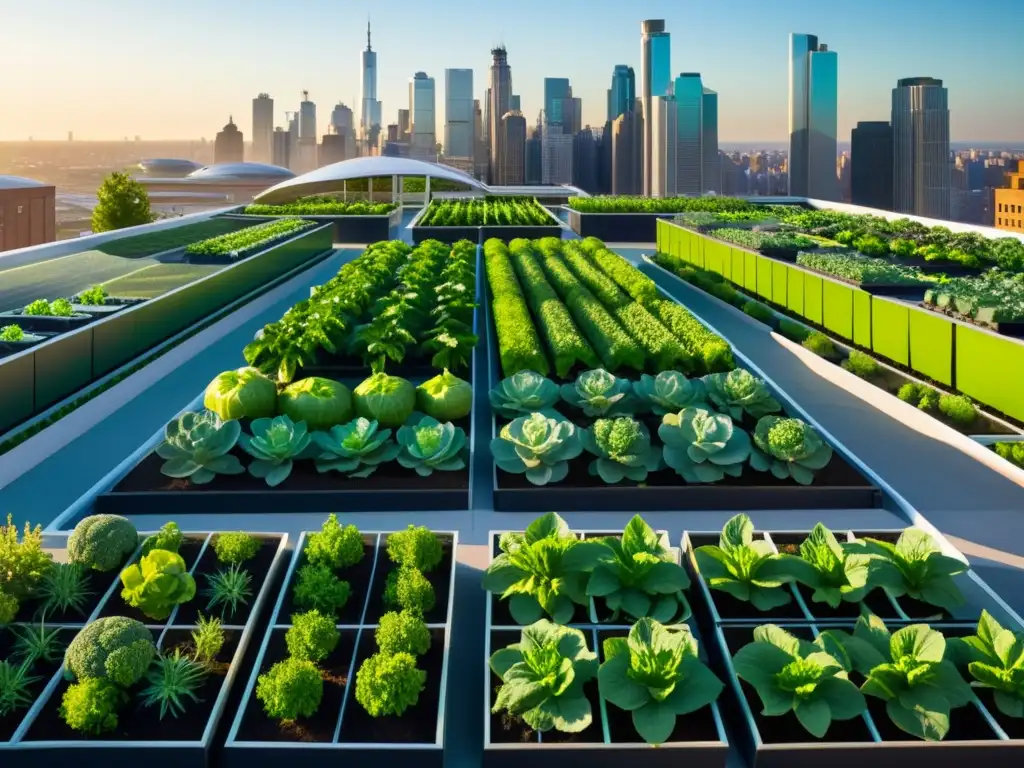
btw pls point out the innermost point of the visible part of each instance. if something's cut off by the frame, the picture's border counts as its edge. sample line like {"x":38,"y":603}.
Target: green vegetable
{"x":12,"y":333}
{"x":23,"y":564}
{"x":995,"y":659}
{"x":242,"y":394}
{"x":429,"y":445}
{"x":157,"y":583}
{"x":196,"y":446}
{"x":402,"y":632}
{"x":63,"y":588}
{"x":793,"y":675}
{"x":388,"y":400}
{"x":670,"y":392}
{"x":318,"y":588}
{"x":496,"y":211}
{"x":789,"y":448}
{"x":388,"y":684}
{"x":415,"y":547}
{"x":9,"y":606}
{"x":840,"y":572}
{"x":244,"y":242}
{"x":229,"y":589}
{"x":208,"y":638}
{"x":821,"y":345}
{"x":44,"y":308}
{"x":523,"y":393}
{"x":95,"y":296}
{"x":334,"y":545}
{"x":91,"y":706}
{"x":15,"y":687}
{"x":759,"y":312}
{"x":738,"y":392}
{"x":445,"y":397}
{"x":312,"y":636}
{"x":409,"y":589}
{"x":598,"y":393}
{"x":274,"y":444}
{"x":916,"y":567}
{"x":115,"y":647}
{"x":172,"y":683}
{"x":958,"y":408}
{"x":703,"y":447}
{"x":623,"y":449}
{"x":290,"y":689}
{"x":862,"y":270}
{"x":543,"y":676}
{"x":321,"y":403}
{"x":538,"y":446}
{"x":519,"y":347}
{"x":235,"y":547}
{"x":169,"y":537}
{"x":861,"y":364}
{"x":1012,"y":452}
{"x":320,"y":205}
{"x":355,"y":449}
{"x":102,"y":542}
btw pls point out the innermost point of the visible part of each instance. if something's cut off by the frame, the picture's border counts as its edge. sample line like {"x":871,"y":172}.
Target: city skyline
{"x":172,"y":96}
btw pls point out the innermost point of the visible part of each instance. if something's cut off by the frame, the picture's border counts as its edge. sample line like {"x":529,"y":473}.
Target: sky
{"x":106,"y":69}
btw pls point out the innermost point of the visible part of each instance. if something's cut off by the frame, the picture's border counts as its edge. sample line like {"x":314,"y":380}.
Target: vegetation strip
{"x":488,"y":212}
{"x":320,"y":205}
{"x":244,"y":242}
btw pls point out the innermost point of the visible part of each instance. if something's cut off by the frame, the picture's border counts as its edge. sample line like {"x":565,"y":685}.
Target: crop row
{"x":320,"y":205}
{"x":488,"y":212}
{"x":993,"y":298}
{"x":862,"y":270}
{"x":236,"y":245}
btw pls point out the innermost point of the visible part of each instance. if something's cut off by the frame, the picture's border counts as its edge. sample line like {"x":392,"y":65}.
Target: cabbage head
{"x":388,"y":400}
{"x":789,"y":448}
{"x":242,"y":394}
{"x":321,"y":403}
{"x":445,"y":397}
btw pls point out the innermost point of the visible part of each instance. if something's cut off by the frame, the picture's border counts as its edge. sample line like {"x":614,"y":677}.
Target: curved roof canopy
{"x":169,"y":165}
{"x":19,"y":182}
{"x":241,"y":172}
{"x":330,"y":177}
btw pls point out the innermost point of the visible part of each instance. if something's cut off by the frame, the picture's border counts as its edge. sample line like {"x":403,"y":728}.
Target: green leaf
{"x":525,"y":609}
{"x":920,"y":711}
{"x":1011,"y":706}
{"x":945,"y":677}
{"x":503,"y":659}
{"x":814,"y":715}
{"x":654,"y":722}
{"x":698,"y":687}
{"x":665,"y":578}
{"x":617,"y":687}
{"x":759,"y":662}
{"x":738,"y":532}
{"x":918,"y":641}
{"x":568,"y":714}
{"x":636,"y":604}
{"x":844,"y":700}
{"x":638,"y":536}
{"x":501,"y":574}
{"x":764,"y":599}
{"x":603,"y":581}
{"x":519,"y":695}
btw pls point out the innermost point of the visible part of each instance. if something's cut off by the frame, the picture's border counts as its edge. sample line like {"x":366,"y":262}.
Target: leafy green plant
{"x":445,"y":397}
{"x":235,"y":547}
{"x":316,"y":587}
{"x":15,"y":691}
{"x":197,"y":446}
{"x":539,"y":446}
{"x":915,"y":566}
{"x":355,"y":449}
{"x":9,"y":606}
{"x":789,"y":448}
{"x":958,"y":408}
{"x":430,"y":446}
{"x":12,"y":333}
{"x":1012,"y":452}
{"x":793,"y":330}
{"x":388,"y":400}
{"x":415,"y":547}
{"x":409,"y":589}
{"x":748,"y":570}
{"x":519,"y":346}
{"x":523,"y":393}
{"x":794,"y":675}
{"x":623,"y":449}
{"x":172,"y":683}
{"x":312,"y":636}
{"x":543,"y":570}
{"x":244,"y":242}
{"x":738,"y":392}
{"x":24,"y":562}
{"x":320,"y":205}
{"x":702,"y":446}
{"x":169,"y":537}
{"x":99,"y":542}
{"x":821,"y":345}
{"x":861,"y":364}
{"x":995,"y":659}
{"x":44,"y":308}
{"x":598,"y":393}
{"x":208,"y":638}
{"x":114,"y":647}
{"x":245,"y":393}
{"x":63,"y":588}
{"x":334,"y":545}
{"x":157,"y":583}
{"x":91,"y":706}
{"x":388,"y":684}
{"x":861,"y":270}
{"x":34,"y":643}
{"x":228,"y":589}
{"x":543,"y":678}
{"x":669,"y":392}
{"x":95,"y":296}
{"x":320,"y":403}
{"x":640,"y":577}
{"x":290,"y":689}
{"x":402,"y":632}
{"x":840,"y":572}
{"x":274,"y":444}
{"x":656,"y":675}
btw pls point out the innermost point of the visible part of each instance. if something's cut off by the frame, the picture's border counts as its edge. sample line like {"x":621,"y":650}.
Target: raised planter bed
{"x":341,"y":732}
{"x":617,"y":227}
{"x":347,"y":229}
{"x":28,"y":339}
{"x":482,"y":234}
{"x":109,"y":306}
{"x":45,"y":323}
{"x":42,"y":737}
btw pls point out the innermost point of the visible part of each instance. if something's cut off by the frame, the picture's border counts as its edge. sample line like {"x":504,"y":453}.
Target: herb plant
{"x":37,"y":643}
{"x":355,"y":449}
{"x":738,"y":392}
{"x":539,"y":446}
{"x":172,"y":683}
{"x":228,"y":589}
{"x":290,"y":689}
{"x":669,"y":392}
{"x":169,"y":537}
{"x":197,"y":446}
{"x":430,"y":446}
{"x":523,"y":393}
{"x":388,"y":684}
{"x":915,"y":566}
{"x":157,"y":583}
{"x":702,"y":446}
{"x":318,"y":588}
{"x":598,"y":393}
{"x":334,"y":545}
{"x":208,"y":638}
{"x":415,"y":547}
{"x":15,"y":691}
{"x":91,"y":706}
{"x":543,"y":677}
{"x":403,"y":632}
{"x":409,"y":589}
{"x":838,"y":573}
{"x":789,"y":448}
{"x":312,"y":636}
{"x":63,"y":588}
{"x":24,"y":563}
{"x":623,"y":449}
{"x":113,"y":647}
{"x":235,"y":547}
{"x":995,"y":659}
{"x":95,"y":296}
{"x":274,"y":444}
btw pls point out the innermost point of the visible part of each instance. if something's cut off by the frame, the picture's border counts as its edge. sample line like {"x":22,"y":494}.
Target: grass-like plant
{"x":15,"y":682}
{"x":172,"y":684}
{"x":37,"y":643}
{"x":208,"y":638}
{"x":64,"y":588}
{"x":228,"y":589}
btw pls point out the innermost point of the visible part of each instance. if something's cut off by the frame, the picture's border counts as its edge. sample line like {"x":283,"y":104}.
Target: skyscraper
{"x":513,"y":149}
{"x":479,"y":145}
{"x":689,"y":93}
{"x":622,"y":94}
{"x":305,"y":159}
{"x":534,"y":154}
{"x":556,"y":155}
{"x":871,"y":174}
{"x":262,"y":128}
{"x":404,"y":124}
{"x":665,"y":145}
{"x":556,"y":93}
{"x":712,"y":170}
{"x":655,"y":76}
{"x":280,"y":148}
{"x":500,"y":96}
{"x":370,"y":119}
{"x":684,"y":140}
{"x":920,"y":142}
{"x":515,"y":103}
{"x":627,"y":154}
{"x":343,"y":122}
{"x":1009,"y":202}
{"x":229,"y":146}
{"x":585,"y":160}
{"x":422,"y":107}
{"x":813,"y":118}
{"x":458,"y":114}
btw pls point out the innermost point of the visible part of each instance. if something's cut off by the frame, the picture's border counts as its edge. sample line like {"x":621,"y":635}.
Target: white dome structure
{"x":240,"y":172}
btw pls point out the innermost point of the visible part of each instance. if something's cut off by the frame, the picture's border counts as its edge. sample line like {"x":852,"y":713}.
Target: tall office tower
{"x":627,"y":154}
{"x":262,"y":128}
{"x":556,"y":93}
{"x":556,"y":155}
{"x":392,"y":132}
{"x":229,"y":146}
{"x":500,"y":97}
{"x":293,"y":138}
{"x":458,"y":114}
{"x":712,"y":171}
{"x":486,"y":135}
{"x":422,"y":107}
{"x":655,"y":77}
{"x":515,"y":103}
{"x":404,"y":125}
{"x":576,"y":123}
{"x":871,"y":174}
{"x":280,"y":148}
{"x":813,"y":118}
{"x":667,"y":144}
{"x":622,"y":94}
{"x":1008,"y":210}
{"x":604,"y":160}
{"x":535,"y":154}
{"x":306,"y":158}
{"x":479,"y":145}
{"x":370,"y":119}
{"x":343,"y":122}
{"x":585,"y":160}
{"x":512,"y":171}
{"x":920,"y":147}
{"x":332,"y":149}
{"x":689,"y":171}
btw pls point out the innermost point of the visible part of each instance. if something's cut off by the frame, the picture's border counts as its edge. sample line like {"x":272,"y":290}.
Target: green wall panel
{"x":837,"y":303}
{"x":990,"y":369}
{"x":812,"y":298}
{"x":750,"y":271}
{"x":17,"y":390}
{"x":712,"y":256}
{"x":737,"y":265}
{"x":699,"y":253}
{"x":795,"y":290}
{"x":659,"y":236}
{"x":931,"y":345}
{"x":890,"y":330}
{"x":780,"y":282}
{"x":862,"y":318}
{"x":682,"y":244}
{"x":764,"y":278}
{"x":726,"y":263}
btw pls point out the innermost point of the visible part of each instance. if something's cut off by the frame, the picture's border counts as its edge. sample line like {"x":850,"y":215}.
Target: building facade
{"x":229,"y":146}
{"x":280,"y":148}
{"x":556,"y":155}
{"x":585,"y":160}
{"x":1009,"y":201}
{"x":262,"y":128}
{"x":711,"y":176}
{"x":627,"y":143}
{"x":512,"y":171}
{"x":665,"y":150}
{"x":871,"y":165}
{"x":813,"y":118}
{"x":622,"y":94}
{"x":344,"y":125}
{"x":28,"y":213}
{"x":370,"y":112}
{"x":655,"y":79}
{"x":499,"y":99}
{"x":535,"y":154}
{"x":423,"y":108}
{"x":557,"y":92}
{"x":459,"y":129}
{"x":920,"y":141}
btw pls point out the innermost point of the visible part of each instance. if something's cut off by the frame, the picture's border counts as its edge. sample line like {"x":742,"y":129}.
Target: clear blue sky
{"x":110,"y":68}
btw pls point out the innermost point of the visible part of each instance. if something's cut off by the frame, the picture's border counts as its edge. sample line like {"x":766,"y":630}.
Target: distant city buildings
{"x":871,"y":174}
{"x":502,"y":166}
{"x":423,"y":109}
{"x":921,"y":162}
{"x":813,"y":118}
{"x":229,"y":146}
{"x":684,"y":140}
{"x":370,"y":113}
{"x":556,"y":155}
{"x":304,"y":152}
{"x":627,"y":154}
{"x":344,"y":125}
{"x":1009,"y":201}
{"x":622,"y":94}
{"x":262,"y":128}
{"x":459,"y":127}
{"x":512,"y":170}
{"x":655,"y":78}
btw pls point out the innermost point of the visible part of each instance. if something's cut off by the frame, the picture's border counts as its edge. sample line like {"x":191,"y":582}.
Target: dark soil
{"x":1013,"y":726}
{"x":258,"y":568}
{"x":418,"y":724}
{"x":506,"y":728}
{"x":875,"y":601}
{"x":358,"y":577}
{"x":440,"y":578}
{"x":41,"y":669}
{"x":320,"y":728}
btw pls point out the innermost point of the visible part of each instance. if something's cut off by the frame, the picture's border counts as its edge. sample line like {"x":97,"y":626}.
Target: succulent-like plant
{"x":789,"y":448}
{"x":523,"y":393}
{"x":274,"y":444}
{"x":228,"y":589}
{"x":355,"y":449}
{"x":599,"y":393}
{"x":63,"y":588}
{"x":703,"y":447}
{"x":197,"y":445}
{"x":738,"y":392}
{"x":172,"y":683}
{"x":538,"y":446}
{"x":669,"y":392}
{"x":623,"y":450}
{"x":430,"y":445}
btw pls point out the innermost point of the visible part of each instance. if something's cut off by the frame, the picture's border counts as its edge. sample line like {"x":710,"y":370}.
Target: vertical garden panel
{"x":700,"y":247}
{"x":682,"y":240}
{"x":780,"y":282}
{"x":712,"y":255}
{"x":862,"y":318}
{"x":813,"y":298}
{"x":750,"y":271}
{"x":726,"y":263}
{"x":990,"y":369}
{"x":837,"y":302}
{"x":659,"y":236}
{"x":764,"y":278}
{"x":737,"y":265}
{"x":890,"y":330}
{"x":931,"y":345}
{"x":795,"y":290}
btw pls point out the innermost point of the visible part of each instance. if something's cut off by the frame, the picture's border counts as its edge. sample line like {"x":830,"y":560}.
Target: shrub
{"x":403,"y":632}
{"x":821,"y":345}
{"x":759,"y":312}
{"x":22,"y":563}
{"x":91,"y":706}
{"x":8,"y":608}
{"x":335,"y":546}
{"x":312,"y":636}
{"x":415,"y":547}
{"x":793,"y":331}
{"x":861,"y":364}
{"x":114,"y":647}
{"x":958,"y":409}
{"x":408,"y":588}
{"x":235,"y":547}
{"x":318,"y":588}
{"x":290,"y":689}
{"x":929,"y":401}
{"x":102,"y":542}
{"x":911,"y":392}
{"x":1012,"y":452}
{"x":389,"y":684}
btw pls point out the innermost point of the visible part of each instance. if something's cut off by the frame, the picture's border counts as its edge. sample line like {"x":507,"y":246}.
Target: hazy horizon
{"x":107,"y":70}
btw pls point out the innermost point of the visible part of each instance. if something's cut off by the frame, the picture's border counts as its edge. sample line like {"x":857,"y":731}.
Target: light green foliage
{"x":15,"y":682}
{"x":921,"y":395}
{"x":237,"y":245}
{"x":290,"y":689}
{"x":749,"y":570}
{"x":821,"y":345}
{"x":1012,"y":452}
{"x":234,"y":547}
{"x":9,"y":605}
{"x":793,"y":330}
{"x":312,"y":636}
{"x":169,"y":537}
{"x":102,"y":542}
{"x":409,"y":589}
{"x":445,"y":397}
{"x":669,"y":392}
{"x":523,"y":393}
{"x":241,"y":394}
{"x":122,"y":202}
{"x":402,"y":632}
{"x":355,"y":449}
{"x":623,"y":449}
{"x":637,"y":204}
{"x":543,"y":571}
{"x":430,"y":446}
{"x":23,"y":563}
{"x":321,"y":403}
{"x":630,"y":279}
{"x":539,"y":446}
{"x":208,"y":638}
{"x":44,"y":308}
{"x":157,"y":583}
{"x":172,"y":684}
{"x":789,"y":448}
{"x":63,"y":588}
{"x":388,"y":684}
{"x":274,"y":444}
{"x":709,"y":352}
{"x":316,"y":587}
{"x":656,"y":675}
{"x":793,"y":675}
{"x":861,"y":364}
{"x":228,"y":589}
{"x":702,"y":446}
{"x":415,"y":547}
{"x":599,"y":393}
{"x":641,"y":577}
{"x":452,"y":339}
{"x":958,"y":408}
{"x":995,"y":659}
{"x":841,"y":572}
{"x":543,"y":677}
{"x":95,"y":296}
{"x":91,"y":706}
{"x":197,"y":446}
{"x":519,"y":347}
{"x":915,"y":566}
{"x":12,"y":333}
{"x":115,"y":647}
{"x":334,"y":545}
{"x":388,"y":400}
{"x":738,"y":392}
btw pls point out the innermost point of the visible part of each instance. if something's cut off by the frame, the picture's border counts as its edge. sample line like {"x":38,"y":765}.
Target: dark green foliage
{"x":9,"y":606}
{"x":122,"y":202}
{"x":821,"y":345}
{"x":34,"y":643}
{"x":63,"y":588}
{"x":172,"y":684}
{"x":228,"y":589}
{"x":793,"y":330}
{"x":312,"y":636}
{"x":861,"y":364}
{"x":318,"y":588}
{"x":15,"y":693}
{"x":759,"y":312}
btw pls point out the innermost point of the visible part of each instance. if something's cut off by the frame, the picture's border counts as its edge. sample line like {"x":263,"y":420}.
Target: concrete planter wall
{"x":617,"y":227}
{"x":348,"y":229}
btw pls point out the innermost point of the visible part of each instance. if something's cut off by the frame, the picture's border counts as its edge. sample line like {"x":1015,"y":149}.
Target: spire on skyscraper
{"x":368,"y":34}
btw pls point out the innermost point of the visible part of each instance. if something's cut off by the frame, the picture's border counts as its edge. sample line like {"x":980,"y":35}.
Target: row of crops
{"x":320,"y":205}
{"x":486,"y":212}
{"x":245,"y":242}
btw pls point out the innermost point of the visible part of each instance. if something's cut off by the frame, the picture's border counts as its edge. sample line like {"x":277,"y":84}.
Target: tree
{"x":123,"y":202}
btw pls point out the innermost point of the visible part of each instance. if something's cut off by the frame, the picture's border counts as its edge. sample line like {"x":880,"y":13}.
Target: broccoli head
{"x":102,"y":542}
{"x":117,"y":648}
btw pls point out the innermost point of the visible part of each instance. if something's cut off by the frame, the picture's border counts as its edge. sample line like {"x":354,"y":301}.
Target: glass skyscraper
{"x":920,"y":143}
{"x":689,"y":92}
{"x":813,"y":118}
{"x":422,"y":108}
{"x":556,"y":93}
{"x":622,"y":94}
{"x":712,"y":170}
{"x":655,"y":78}
{"x":458,"y":126}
